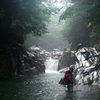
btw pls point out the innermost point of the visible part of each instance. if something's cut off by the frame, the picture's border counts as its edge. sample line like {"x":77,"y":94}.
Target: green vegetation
{"x":52,"y":39}
{"x":18,"y":18}
{"x":82,"y":22}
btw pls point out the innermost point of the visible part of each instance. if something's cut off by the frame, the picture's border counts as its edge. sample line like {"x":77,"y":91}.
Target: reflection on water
{"x":44,"y":87}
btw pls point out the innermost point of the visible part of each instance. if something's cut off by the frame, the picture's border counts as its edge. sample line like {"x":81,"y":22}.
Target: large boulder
{"x":67,"y":59}
{"x":34,"y":61}
{"x":56,"y":54}
{"x":87,"y":66}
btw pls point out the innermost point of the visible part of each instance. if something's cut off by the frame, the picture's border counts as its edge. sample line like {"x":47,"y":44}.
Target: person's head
{"x":71,"y":69}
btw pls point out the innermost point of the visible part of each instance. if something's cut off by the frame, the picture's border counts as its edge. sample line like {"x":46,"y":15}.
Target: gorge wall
{"x":86,"y":64}
{"x":26,"y":62}
{"x":67,"y":59}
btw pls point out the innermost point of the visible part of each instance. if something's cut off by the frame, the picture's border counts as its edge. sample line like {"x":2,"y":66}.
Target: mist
{"x":52,"y":39}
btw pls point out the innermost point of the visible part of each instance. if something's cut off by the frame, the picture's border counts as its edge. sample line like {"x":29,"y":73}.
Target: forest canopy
{"x":82,"y":22}
{"x":18,"y":18}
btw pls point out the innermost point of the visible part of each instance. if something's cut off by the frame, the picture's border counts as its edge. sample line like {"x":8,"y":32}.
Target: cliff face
{"x":34,"y":61}
{"x":27,"y":62}
{"x":67,"y":59}
{"x":10,"y":63}
{"x":86,"y":65}
{"x":7,"y":65}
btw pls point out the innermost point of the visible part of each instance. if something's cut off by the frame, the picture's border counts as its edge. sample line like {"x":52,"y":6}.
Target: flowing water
{"x":44,"y":87}
{"x":51,"y":65}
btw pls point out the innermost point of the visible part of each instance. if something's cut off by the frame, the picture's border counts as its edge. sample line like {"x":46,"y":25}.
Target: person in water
{"x":68,"y":78}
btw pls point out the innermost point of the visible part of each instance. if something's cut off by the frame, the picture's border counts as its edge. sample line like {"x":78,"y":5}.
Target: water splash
{"x":51,"y":65}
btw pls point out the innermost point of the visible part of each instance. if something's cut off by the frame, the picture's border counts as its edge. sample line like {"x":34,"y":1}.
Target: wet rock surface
{"x":34,"y":59}
{"x":67,"y":59}
{"x":87,"y":66}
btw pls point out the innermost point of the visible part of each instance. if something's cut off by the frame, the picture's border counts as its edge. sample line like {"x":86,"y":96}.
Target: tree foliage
{"x":89,"y":11}
{"x":52,"y":39}
{"x":75,"y":31}
{"x":21,"y":17}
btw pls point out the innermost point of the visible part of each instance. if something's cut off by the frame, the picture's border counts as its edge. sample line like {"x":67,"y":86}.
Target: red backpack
{"x":67,"y":77}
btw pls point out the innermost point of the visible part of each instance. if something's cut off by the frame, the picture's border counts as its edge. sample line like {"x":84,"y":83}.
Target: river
{"x":44,"y":87}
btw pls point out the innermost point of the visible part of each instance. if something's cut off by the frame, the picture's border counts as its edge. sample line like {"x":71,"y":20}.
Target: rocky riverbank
{"x":86,"y":63}
{"x":34,"y":60}
{"x":87,"y":66}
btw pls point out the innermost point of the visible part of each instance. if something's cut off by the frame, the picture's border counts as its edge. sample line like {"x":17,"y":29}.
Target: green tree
{"x":52,"y":39}
{"x":89,"y":11}
{"x":76,"y":31}
{"x":21,"y":17}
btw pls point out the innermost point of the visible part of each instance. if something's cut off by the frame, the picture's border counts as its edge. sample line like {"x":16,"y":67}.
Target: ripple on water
{"x":45,"y":87}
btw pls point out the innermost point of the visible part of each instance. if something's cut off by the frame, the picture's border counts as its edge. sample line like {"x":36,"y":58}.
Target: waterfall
{"x":51,"y":65}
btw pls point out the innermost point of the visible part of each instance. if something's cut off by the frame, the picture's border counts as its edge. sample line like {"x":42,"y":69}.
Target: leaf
{"x":89,"y":24}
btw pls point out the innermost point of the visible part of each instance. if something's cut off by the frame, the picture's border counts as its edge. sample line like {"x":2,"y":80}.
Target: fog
{"x":52,"y":39}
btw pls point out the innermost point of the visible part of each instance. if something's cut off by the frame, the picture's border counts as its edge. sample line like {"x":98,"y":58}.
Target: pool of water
{"x":44,"y":87}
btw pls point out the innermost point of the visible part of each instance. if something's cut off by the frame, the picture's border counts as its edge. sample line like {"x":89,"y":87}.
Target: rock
{"x":67,"y":59}
{"x":86,"y":69}
{"x":86,"y":64}
{"x":56,"y":54}
{"x":87,"y":80}
{"x":34,"y":59}
{"x":95,"y":77}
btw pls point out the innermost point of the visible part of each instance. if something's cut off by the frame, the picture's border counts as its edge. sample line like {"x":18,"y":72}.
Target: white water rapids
{"x":51,"y":65}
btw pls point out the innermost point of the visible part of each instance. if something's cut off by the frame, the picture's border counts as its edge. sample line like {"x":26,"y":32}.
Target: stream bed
{"x":45,"y":87}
